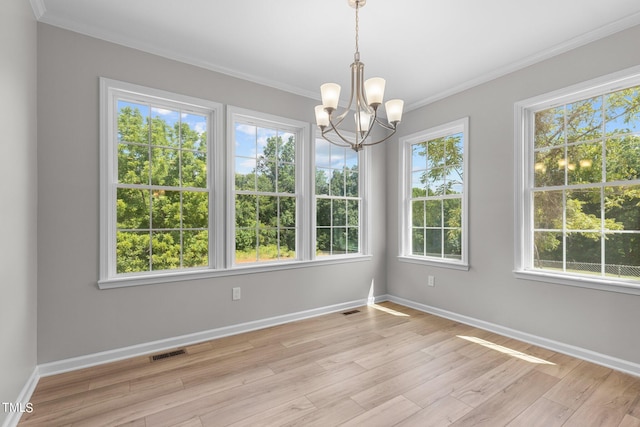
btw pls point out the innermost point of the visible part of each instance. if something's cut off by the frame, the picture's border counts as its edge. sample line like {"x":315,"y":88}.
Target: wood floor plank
{"x":609,"y":403}
{"x":543,"y":413}
{"x":510,"y":402}
{"x":389,"y":413}
{"x":386,"y":365}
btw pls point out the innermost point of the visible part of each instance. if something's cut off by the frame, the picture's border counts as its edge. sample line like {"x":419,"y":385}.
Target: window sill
{"x":580,"y":281}
{"x":454,"y":265}
{"x":181,"y":276}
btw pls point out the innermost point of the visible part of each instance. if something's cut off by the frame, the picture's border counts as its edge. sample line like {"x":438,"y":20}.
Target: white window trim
{"x":523,"y":119}
{"x":404,"y":209}
{"x":364,"y":188}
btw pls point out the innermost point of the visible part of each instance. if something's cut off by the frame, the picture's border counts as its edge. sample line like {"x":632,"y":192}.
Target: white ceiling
{"x":425,"y":49}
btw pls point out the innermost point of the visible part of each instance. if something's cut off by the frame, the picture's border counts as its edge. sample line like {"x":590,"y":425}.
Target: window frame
{"x":110,"y":92}
{"x":524,"y":121}
{"x":404,"y":214}
{"x":301,"y":130}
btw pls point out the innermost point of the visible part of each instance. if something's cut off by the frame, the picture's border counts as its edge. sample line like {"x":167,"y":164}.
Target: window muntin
{"x":585,"y":190}
{"x":266,"y":191}
{"x":338,"y":200}
{"x":434,"y":213}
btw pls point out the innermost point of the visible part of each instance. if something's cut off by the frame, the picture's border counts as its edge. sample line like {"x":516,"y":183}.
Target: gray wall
{"x":601,"y":321}
{"x":18,"y":256}
{"x":74,"y":317}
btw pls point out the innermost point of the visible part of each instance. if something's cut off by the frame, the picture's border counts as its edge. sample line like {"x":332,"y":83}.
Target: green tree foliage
{"x":266,"y":214}
{"x":437,"y":182}
{"x":162,"y":218}
{"x":592,"y":149}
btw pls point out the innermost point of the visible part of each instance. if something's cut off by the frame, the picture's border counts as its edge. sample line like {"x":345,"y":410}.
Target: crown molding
{"x":38,"y":8}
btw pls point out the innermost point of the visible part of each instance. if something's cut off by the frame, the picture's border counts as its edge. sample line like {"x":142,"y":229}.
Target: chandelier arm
{"x":335,"y":130}
{"x":368,"y":144}
{"x":384,"y":125}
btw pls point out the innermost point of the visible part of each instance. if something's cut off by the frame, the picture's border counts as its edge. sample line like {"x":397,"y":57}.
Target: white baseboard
{"x":578,"y":352}
{"x":75,"y":363}
{"x":23,"y":398}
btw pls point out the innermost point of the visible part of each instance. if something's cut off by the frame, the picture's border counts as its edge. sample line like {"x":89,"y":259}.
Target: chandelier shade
{"x":365,"y":98}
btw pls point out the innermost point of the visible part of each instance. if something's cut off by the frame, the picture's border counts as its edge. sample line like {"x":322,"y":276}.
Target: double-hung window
{"x":338,"y":199}
{"x":434,"y":195}
{"x":267,"y":187}
{"x":156,"y":185}
{"x":579,"y":185}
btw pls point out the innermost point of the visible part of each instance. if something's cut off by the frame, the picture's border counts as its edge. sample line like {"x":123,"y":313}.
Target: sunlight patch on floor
{"x":388,"y":310}
{"x":506,"y":350}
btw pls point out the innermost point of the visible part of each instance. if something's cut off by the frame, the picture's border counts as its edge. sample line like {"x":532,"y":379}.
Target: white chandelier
{"x":367,"y":96}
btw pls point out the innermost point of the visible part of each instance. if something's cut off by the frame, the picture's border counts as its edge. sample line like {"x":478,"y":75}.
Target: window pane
{"x":622,"y":256}
{"x":165,"y":250}
{"x":549,"y":167}
{"x":436,"y":153}
{"x":132,"y":208}
{"x":267,"y":140}
{"x":351,"y":183}
{"x":267,"y":211}
{"x":548,"y":250}
{"x":267,"y":244}
{"x":353,"y":242}
{"x":417,"y":241}
{"x":622,"y":208}
{"x":287,"y":212}
{"x":623,"y":111}
{"x":547,"y":210}
{"x":323,"y":212}
{"x":584,"y":120}
{"x":245,"y":174}
{"x":338,"y":157}
{"x":353,"y":213}
{"x":419,"y":183}
{"x":195,"y":209}
{"x":453,"y":243}
{"x":452,"y":211}
{"x":435,"y":182}
{"x":165,"y":167}
{"x":339,"y":213}
{"x":322,"y":181}
{"x":165,"y":127}
{"x":583,"y":209}
{"x":194,"y":169}
{"x":133,"y":122}
{"x":337,"y":183}
{"x":245,"y":140}
{"x":246,"y":210}
{"x":323,"y":241}
{"x":165,"y":209}
{"x":433,"y":243}
{"x":583,"y":253}
{"x":195,"y":248}
{"x":132,"y":252}
{"x":266,"y":176}
{"x":419,"y":156}
{"x":433,"y":213}
{"x":287,"y":243}
{"x":194,"y":132}
{"x":351,"y":159}
{"x":133,"y":164}
{"x":323,"y":153}
{"x":246,"y":245}
{"x":417,"y":213}
{"x":622,"y":158}
{"x":286,"y":178}
{"x":339,"y":243}
{"x":549,"y":127}
{"x":584,"y":163}
{"x":287,"y":147}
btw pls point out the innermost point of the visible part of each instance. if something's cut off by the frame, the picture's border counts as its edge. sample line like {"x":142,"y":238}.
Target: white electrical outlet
{"x":431,"y":281}
{"x":236,"y":294}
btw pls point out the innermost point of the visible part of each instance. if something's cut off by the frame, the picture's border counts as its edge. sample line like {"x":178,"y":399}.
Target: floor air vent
{"x":346,"y":313}
{"x":168,"y":354}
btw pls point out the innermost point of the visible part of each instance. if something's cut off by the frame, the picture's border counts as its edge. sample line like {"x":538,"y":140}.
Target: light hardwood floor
{"x":387,"y":365}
